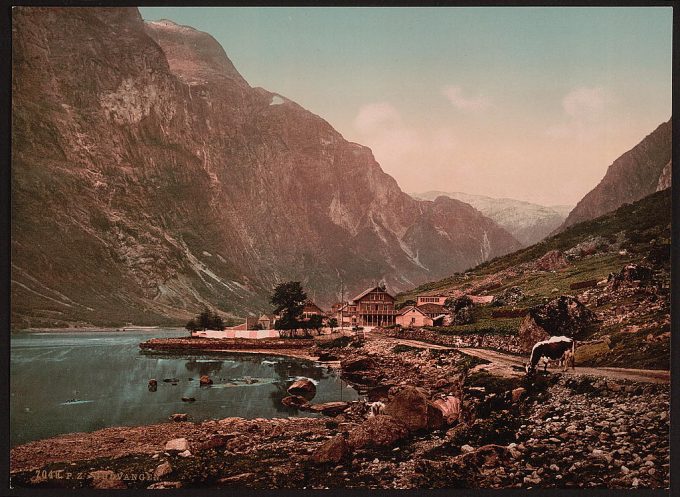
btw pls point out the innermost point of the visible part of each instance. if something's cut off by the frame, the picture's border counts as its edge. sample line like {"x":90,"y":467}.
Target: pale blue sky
{"x":530,"y":103}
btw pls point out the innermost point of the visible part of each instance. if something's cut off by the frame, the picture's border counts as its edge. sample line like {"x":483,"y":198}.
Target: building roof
{"x":312,"y":307}
{"x":369,"y":290}
{"x":410,"y":308}
{"x":433,"y":309}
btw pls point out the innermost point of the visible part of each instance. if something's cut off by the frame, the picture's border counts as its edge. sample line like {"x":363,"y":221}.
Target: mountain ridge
{"x":641,"y":171}
{"x":528,"y":222}
{"x":152,"y":180}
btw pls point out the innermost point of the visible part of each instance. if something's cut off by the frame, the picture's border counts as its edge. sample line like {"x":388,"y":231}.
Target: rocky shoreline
{"x":559,"y":432}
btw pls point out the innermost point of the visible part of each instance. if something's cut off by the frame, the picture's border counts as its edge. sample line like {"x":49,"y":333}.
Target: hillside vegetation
{"x":633,"y":327}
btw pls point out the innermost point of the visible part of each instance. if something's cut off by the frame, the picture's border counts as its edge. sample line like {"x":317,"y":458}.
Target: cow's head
{"x":529,"y":368}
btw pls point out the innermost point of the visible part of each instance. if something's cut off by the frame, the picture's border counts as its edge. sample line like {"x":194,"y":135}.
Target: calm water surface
{"x":84,"y":381}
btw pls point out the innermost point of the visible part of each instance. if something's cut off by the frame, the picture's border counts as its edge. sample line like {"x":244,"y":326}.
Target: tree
{"x":192,"y":326}
{"x":289,"y":301}
{"x":332,"y":323}
{"x":206,"y":320}
{"x":315,"y":322}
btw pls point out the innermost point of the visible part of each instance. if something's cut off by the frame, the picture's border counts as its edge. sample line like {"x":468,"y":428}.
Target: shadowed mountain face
{"x":149,"y":179}
{"x":641,"y":171}
{"x":528,"y":223}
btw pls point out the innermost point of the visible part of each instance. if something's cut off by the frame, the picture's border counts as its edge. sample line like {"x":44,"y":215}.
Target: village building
{"x":431,"y":299}
{"x":311,"y":309}
{"x":372,"y":307}
{"x":433,"y":310}
{"x":250,"y":324}
{"x":267,"y":321}
{"x":412,"y":317}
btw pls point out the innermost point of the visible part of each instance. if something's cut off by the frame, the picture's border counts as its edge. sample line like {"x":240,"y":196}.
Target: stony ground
{"x":556,"y":432}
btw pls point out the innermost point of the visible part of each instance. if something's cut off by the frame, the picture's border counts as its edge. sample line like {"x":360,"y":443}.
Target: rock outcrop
{"x":564,"y":315}
{"x":150,"y":169}
{"x":641,"y":171}
{"x":414,"y":410}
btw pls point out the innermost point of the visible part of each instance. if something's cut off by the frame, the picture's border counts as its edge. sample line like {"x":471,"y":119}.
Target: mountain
{"x":149,"y":179}
{"x":644,"y":169}
{"x":630,"y":245}
{"x":527,"y":222}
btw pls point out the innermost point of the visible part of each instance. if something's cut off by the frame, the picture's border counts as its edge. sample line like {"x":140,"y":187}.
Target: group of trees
{"x":289,"y":303}
{"x":206,"y":320}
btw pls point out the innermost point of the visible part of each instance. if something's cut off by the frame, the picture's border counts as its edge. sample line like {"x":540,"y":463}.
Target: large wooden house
{"x":372,"y":307}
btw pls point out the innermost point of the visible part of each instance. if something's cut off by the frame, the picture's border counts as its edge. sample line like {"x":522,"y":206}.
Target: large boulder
{"x":177,"y":445}
{"x":205,"y":380}
{"x":360,"y":364}
{"x":563,"y":316}
{"x":464,"y":316}
{"x":414,"y":409}
{"x":631,"y":275}
{"x":333,"y":451}
{"x":529,"y":333}
{"x":329,"y":408}
{"x":450,"y":408}
{"x":303,"y":387}
{"x":162,"y":470}
{"x":294,"y":401}
{"x":551,"y":261}
{"x":376,"y":432}
{"x":509,"y":296}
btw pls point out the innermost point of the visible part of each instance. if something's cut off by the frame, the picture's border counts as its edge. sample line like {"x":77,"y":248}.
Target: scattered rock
{"x":162,"y":470}
{"x":510,"y":296}
{"x":333,"y":451}
{"x":414,"y":410}
{"x":177,"y":444}
{"x":360,"y":364}
{"x":205,"y":380}
{"x":294,"y":401}
{"x":378,"y":431}
{"x":450,"y":408}
{"x":551,"y":261}
{"x":631,"y":275}
{"x":178,"y":417}
{"x":518,"y":393}
{"x":329,"y":408}
{"x":165,"y":484}
{"x":303,"y":387}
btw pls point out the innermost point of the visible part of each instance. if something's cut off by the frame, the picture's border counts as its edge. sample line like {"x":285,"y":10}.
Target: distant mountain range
{"x":149,"y":179}
{"x":527,"y":222}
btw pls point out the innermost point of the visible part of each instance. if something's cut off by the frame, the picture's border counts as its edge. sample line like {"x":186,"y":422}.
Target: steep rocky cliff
{"x":149,"y":179}
{"x":641,"y":171}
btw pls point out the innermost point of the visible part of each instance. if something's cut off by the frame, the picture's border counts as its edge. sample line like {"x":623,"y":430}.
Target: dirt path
{"x":511,"y":365}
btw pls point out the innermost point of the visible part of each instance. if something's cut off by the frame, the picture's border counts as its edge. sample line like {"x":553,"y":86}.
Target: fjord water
{"x":67,"y":382}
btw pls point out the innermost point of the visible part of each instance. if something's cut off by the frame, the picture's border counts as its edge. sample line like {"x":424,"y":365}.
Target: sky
{"x":531,"y":103}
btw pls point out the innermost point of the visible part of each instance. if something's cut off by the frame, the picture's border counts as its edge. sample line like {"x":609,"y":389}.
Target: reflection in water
{"x":202,"y":367}
{"x":110,"y":378}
